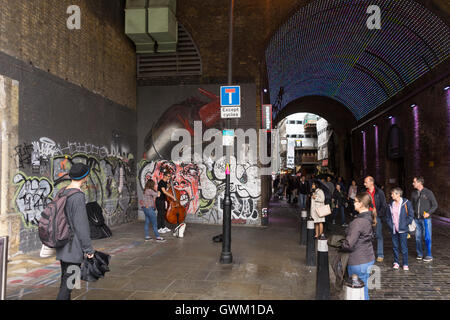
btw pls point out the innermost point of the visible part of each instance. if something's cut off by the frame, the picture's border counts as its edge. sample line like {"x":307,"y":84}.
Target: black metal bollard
{"x":303,"y":229}
{"x":323,"y":274}
{"x":310,"y":244}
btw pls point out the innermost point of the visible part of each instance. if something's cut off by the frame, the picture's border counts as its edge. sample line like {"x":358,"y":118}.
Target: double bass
{"x":176,"y":212}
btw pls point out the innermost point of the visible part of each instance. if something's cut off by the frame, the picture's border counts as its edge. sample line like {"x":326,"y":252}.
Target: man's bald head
{"x":369,"y":182}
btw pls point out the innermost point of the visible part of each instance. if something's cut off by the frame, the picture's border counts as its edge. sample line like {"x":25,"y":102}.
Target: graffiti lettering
{"x":23,"y":155}
{"x":33,"y":196}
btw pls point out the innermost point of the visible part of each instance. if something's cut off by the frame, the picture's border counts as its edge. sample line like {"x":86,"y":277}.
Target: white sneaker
{"x":166,"y":229}
{"x":161,"y":230}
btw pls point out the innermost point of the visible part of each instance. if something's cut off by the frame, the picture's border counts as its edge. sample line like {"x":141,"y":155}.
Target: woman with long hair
{"x":359,"y":241}
{"x":149,"y":208}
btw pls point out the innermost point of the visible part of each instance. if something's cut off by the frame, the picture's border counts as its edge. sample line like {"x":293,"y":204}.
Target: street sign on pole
{"x":267,"y":117}
{"x":230,"y":96}
{"x":230,"y":112}
{"x":228,"y":137}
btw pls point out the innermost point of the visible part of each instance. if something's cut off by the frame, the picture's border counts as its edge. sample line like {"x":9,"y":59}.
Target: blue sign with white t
{"x":230,"y":96}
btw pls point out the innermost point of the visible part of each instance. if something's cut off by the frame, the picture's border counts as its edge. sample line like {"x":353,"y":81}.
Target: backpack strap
{"x":406,"y":208}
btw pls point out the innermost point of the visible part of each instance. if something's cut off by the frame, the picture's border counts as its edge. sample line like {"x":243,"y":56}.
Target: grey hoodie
{"x":81,"y":243}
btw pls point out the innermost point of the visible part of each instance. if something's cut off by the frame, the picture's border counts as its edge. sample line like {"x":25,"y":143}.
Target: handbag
{"x":47,"y":252}
{"x":412,"y":225}
{"x":323,"y":211}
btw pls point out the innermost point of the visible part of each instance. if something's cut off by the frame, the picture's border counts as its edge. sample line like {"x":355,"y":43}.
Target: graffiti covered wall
{"x":162,"y":110}
{"x":203,"y":187}
{"x":111,"y":182}
{"x":59,"y":124}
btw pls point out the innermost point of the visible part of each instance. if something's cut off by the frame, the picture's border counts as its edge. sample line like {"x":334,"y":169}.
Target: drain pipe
{"x":5,"y":160}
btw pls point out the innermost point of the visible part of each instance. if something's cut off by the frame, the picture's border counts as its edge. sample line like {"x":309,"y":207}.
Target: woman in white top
{"x":317,"y":200}
{"x":352,"y":191}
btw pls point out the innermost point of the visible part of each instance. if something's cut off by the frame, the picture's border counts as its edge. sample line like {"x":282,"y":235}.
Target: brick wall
{"x":98,"y":57}
{"x":426,"y":131}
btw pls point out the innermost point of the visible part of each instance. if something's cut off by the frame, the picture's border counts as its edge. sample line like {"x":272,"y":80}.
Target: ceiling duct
{"x":152,"y":25}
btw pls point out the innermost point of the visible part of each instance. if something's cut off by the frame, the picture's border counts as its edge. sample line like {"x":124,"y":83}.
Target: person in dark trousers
{"x":399,"y":216}
{"x":358,"y":241}
{"x":276,"y":183}
{"x":72,"y":254}
{"x":149,"y":208}
{"x":303,"y":191}
{"x":289,"y":189}
{"x":339,"y":200}
{"x":161,"y":202}
{"x":425,"y":204}
{"x":380,"y":207}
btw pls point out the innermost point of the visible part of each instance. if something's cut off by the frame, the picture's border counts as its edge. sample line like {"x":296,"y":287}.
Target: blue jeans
{"x":150,"y":217}
{"x":401,"y":238}
{"x":379,"y":232}
{"x":302,"y":200}
{"x":423,"y":230}
{"x":363,"y":272}
{"x":341,"y":210}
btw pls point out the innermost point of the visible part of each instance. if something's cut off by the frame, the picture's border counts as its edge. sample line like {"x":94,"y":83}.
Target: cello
{"x":176,"y":212}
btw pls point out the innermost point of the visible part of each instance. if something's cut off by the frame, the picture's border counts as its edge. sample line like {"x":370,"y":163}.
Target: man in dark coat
{"x":380,"y":207}
{"x":424,"y":204}
{"x":72,"y":254}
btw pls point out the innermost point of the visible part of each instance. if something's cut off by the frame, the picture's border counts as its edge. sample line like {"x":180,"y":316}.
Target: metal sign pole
{"x":226,"y":257}
{"x":3,"y":266}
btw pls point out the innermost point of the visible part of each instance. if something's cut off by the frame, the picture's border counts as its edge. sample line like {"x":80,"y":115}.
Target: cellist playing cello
{"x":161,"y":202}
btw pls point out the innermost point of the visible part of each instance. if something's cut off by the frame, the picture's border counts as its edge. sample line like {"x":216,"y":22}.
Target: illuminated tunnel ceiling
{"x":326,"y":49}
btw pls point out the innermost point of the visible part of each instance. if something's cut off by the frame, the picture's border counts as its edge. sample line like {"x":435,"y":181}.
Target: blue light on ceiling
{"x":326,"y":49}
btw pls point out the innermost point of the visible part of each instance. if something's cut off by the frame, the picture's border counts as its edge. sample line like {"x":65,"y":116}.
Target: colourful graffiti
{"x":111,"y":182}
{"x":203,"y":188}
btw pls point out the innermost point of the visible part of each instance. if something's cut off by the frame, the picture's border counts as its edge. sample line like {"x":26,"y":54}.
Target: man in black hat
{"x":72,"y":254}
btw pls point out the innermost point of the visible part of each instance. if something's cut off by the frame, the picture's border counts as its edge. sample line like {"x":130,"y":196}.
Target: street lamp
{"x":226,"y":256}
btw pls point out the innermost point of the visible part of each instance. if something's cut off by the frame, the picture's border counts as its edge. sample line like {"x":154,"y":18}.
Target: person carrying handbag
{"x":72,"y":254}
{"x":399,"y":216}
{"x":317,"y":200}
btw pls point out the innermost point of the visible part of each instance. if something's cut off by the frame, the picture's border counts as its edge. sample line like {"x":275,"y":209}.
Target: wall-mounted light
{"x":374,"y":125}
{"x":265,"y":90}
{"x":390,"y":117}
{"x":413,"y":105}
{"x":446,"y":88}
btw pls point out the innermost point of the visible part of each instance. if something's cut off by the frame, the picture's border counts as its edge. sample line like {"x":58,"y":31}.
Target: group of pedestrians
{"x":401,"y":216}
{"x":370,"y":212}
